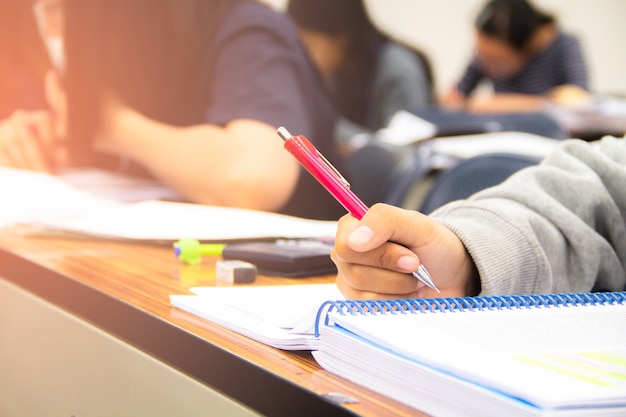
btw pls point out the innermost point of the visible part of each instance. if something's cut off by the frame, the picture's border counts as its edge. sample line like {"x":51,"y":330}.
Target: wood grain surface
{"x":127,"y":280}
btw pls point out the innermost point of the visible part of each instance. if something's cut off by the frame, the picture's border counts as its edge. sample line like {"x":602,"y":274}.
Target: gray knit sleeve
{"x":556,"y":227}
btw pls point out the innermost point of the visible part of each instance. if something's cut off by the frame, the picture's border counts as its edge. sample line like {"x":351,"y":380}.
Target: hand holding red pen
{"x":327,"y":175}
{"x":371,"y":267}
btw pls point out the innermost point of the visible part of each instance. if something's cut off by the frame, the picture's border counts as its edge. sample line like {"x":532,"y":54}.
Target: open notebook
{"x":532,"y":355}
{"x":538,"y":355}
{"x":54,"y":204}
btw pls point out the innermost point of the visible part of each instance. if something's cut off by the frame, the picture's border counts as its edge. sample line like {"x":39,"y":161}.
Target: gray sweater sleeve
{"x":556,"y":227}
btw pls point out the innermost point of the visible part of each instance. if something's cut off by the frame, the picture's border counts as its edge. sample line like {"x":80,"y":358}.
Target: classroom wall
{"x":443,"y":29}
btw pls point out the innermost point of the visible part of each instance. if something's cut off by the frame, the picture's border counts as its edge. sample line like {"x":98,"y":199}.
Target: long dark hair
{"x":350,"y":17}
{"x":336,"y":18}
{"x":149,"y":52}
{"x":511,"y":21}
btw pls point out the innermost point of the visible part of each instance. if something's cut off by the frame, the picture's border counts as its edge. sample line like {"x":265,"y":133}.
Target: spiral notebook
{"x":533,"y":355}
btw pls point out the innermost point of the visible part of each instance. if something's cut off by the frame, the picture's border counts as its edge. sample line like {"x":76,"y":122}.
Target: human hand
{"x":28,"y":141}
{"x":371,"y":266}
{"x":453,"y":100}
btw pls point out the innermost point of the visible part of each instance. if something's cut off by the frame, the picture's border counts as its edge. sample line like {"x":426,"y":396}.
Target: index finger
{"x":408,"y":228}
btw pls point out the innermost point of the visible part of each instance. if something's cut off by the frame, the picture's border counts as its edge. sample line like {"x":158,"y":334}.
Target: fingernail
{"x":408,"y":263}
{"x":361,"y":236}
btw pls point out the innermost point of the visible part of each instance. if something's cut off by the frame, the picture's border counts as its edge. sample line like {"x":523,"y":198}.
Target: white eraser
{"x":235,"y":271}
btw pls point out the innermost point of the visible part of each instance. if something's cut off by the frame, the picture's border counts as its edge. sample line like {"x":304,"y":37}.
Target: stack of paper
{"x":279,"y":316}
{"x":49,"y":202}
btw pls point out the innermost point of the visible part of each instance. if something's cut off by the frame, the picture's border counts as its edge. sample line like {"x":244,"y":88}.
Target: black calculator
{"x":286,"y":257}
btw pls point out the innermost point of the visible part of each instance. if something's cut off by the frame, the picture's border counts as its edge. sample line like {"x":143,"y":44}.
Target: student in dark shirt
{"x":525,"y":56}
{"x":370,"y":75}
{"x":192,"y":91}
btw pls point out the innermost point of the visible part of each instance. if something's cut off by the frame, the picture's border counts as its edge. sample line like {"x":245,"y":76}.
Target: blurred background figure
{"x":370,"y":75}
{"x":28,"y":136}
{"x":23,"y":59}
{"x":188,"y":92}
{"x":192,"y":92}
{"x":526,"y":57}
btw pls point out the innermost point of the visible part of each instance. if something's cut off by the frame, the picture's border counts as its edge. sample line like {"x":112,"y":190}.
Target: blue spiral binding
{"x":456,"y":304}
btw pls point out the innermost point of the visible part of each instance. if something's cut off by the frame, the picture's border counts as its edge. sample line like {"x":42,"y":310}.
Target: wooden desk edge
{"x":162,"y":340}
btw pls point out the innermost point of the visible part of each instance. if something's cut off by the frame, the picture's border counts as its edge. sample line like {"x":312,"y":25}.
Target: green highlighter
{"x":191,"y":251}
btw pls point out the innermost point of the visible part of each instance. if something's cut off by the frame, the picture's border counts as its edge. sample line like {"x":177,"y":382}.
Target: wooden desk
{"x":121,"y":291}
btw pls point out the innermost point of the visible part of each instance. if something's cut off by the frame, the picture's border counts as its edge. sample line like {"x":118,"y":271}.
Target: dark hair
{"x":511,"y":21}
{"x":350,"y":17}
{"x":149,"y":52}
{"x":337,"y":17}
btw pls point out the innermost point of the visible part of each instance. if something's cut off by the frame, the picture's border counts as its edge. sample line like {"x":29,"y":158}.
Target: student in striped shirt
{"x":526,"y":57}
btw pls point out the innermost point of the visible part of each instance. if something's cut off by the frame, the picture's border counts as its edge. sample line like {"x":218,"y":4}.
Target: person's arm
{"x":556,"y":227}
{"x":456,"y":97}
{"x":453,"y":99}
{"x":572,"y":89}
{"x":575,"y":87}
{"x":505,"y":103}
{"x":239,"y":165}
{"x":573,"y":65}
{"x":235,"y":158}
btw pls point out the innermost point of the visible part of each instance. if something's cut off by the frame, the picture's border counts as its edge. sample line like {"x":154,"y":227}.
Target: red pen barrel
{"x":335,"y":184}
{"x":308,"y":156}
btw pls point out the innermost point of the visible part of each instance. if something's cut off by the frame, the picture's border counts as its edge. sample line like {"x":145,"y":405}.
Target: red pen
{"x":327,"y":175}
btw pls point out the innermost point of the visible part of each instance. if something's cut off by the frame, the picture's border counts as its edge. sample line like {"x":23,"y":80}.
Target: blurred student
{"x":26,"y":125}
{"x":556,"y":227}
{"x":525,"y":56}
{"x":371,"y":76}
{"x":191,"y":92}
{"x":23,"y":60}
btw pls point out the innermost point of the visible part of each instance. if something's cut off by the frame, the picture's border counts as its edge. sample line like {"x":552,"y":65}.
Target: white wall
{"x":443,"y":29}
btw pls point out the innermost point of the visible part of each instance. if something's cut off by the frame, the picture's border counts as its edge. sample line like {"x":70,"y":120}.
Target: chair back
{"x":472,"y":175}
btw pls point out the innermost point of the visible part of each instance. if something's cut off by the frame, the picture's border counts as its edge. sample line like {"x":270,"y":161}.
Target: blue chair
{"x":472,"y":175}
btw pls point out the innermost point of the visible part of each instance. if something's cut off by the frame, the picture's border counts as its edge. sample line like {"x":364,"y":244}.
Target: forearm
{"x":240,"y":165}
{"x":508,"y":102}
{"x":505,"y":103}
